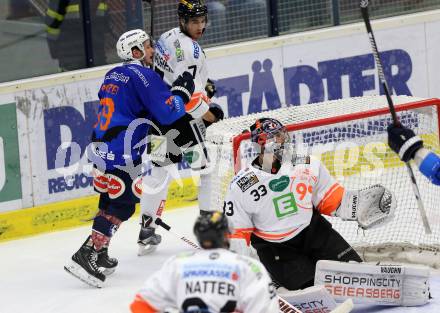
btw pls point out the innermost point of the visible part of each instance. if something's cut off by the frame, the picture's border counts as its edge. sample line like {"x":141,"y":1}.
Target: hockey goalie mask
{"x":271,"y":136}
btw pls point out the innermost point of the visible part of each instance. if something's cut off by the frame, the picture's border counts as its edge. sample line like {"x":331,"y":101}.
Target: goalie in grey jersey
{"x":276,"y":204}
{"x":209,"y":280}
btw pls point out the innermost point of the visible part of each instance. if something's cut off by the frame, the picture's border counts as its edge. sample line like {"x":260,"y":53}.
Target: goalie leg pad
{"x":405,"y":285}
{"x":312,"y":299}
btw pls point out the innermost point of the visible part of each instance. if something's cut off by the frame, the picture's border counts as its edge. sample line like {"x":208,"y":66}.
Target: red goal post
{"x":236,"y":140}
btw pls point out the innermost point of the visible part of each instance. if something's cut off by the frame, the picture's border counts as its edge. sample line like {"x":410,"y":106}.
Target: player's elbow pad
{"x":177,"y":110}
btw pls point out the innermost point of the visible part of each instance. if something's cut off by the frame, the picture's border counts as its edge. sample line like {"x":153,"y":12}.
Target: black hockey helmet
{"x":192,"y":8}
{"x":266,"y":128}
{"x":211,"y":229}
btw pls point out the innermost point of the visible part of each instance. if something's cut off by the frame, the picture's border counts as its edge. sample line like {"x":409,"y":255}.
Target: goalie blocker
{"x":404,"y":285}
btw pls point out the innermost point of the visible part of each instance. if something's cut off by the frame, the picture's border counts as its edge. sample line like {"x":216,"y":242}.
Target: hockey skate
{"x":147,"y":239}
{"x":84,"y":265}
{"x":107,"y":263}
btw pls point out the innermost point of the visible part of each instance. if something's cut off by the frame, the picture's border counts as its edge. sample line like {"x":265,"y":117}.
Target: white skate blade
{"x":147,"y":249}
{"x":108,"y":271}
{"x":80,"y":273}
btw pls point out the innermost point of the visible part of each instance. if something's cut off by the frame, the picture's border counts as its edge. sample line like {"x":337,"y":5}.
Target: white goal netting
{"x":350,"y":138}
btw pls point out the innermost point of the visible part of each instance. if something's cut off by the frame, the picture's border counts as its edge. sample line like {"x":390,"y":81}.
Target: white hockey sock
{"x":154,"y":192}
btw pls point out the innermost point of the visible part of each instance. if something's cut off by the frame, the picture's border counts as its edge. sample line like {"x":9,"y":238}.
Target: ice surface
{"x":32,"y":278}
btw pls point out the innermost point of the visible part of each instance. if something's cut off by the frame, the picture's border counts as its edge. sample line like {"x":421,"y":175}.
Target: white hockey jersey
{"x":176,"y":53}
{"x":277,"y":207}
{"x":214,"y":280}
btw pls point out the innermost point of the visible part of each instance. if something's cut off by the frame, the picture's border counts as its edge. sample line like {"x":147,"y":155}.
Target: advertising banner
{"x":310,"y":72}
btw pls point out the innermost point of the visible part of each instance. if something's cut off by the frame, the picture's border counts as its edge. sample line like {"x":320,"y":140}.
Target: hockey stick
{"x":285,"y":307}
{"x":366,"y":17}
{"x":183,"y":238}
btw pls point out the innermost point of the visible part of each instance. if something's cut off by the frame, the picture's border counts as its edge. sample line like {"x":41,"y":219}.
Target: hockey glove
{"x":403,"y":141}
{"x":217,"y":110}
{"x":210,"y":89}
{"x":183,"y":87}
{"x":370,"y":207}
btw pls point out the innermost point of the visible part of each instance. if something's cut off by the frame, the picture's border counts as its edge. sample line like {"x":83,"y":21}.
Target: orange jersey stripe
{"x":271,"y":236}
{"x":243,"y":233}
{"x":331,"y":200}
{"x":139,"y":305}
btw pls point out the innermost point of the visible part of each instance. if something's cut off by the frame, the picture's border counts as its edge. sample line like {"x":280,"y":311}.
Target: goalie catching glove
{"x":370,"y":207}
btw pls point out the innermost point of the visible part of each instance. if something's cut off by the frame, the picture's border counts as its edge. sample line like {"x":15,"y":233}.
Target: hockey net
{"x":350,"y":138}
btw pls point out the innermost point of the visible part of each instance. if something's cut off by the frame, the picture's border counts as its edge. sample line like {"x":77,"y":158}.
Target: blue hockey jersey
{"x":131,"y":96}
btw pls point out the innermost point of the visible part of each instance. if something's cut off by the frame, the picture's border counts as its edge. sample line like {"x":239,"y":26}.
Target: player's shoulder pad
{"x":244,"y":179}
{"x":170,"y":34}
{"x":139,"y":71}
{"x":252,"y":265}
{"x":118,"y":74}
{"x":191,"y":47}
{"x":161,"y":48}
{"x":179,"y":44}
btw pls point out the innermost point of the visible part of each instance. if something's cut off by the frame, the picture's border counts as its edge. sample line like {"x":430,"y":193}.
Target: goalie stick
{"x":366,"y":17}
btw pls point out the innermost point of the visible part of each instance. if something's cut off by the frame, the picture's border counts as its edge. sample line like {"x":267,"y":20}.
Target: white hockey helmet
{"x":132,"y":39}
